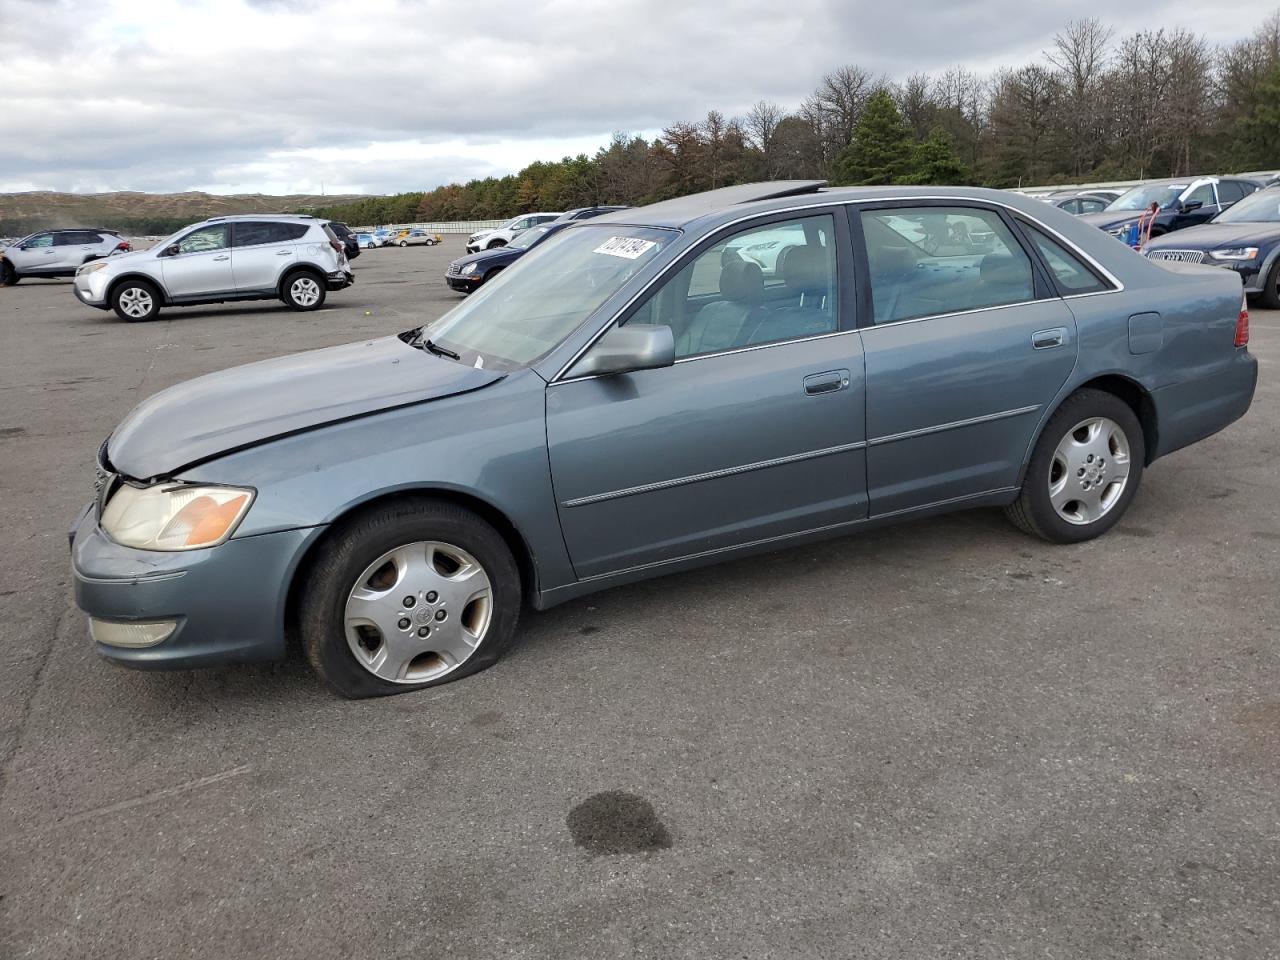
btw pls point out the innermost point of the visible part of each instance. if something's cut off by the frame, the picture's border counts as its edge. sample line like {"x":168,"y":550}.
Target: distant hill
{"x":142,"y":212}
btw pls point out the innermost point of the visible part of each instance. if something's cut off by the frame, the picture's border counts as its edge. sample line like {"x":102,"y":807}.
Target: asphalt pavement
{"x":939,"y":740}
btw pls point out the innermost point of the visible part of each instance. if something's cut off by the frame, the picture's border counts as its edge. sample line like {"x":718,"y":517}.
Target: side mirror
{"x":172,"y":250}
{"x":623,"y":349}
{"x":1189,"y":205}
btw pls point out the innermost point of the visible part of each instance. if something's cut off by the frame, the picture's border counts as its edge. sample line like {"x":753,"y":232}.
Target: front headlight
{"x":470,"y":268}
{"x":1235,"y":253}
{"x":174,"y":516}
{"x":92,"y":266}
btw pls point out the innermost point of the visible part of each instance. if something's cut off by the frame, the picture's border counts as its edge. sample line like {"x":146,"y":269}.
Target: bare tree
{"x":761,"y":124}
{"x":1080,"y":54}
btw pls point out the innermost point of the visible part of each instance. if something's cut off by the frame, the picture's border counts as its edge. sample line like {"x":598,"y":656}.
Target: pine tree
{"x":881,"y":150}
{"x":935,"y":162}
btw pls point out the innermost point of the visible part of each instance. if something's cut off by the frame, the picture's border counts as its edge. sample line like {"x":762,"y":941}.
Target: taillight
{"x":1242,"y":324}
{"x":124,"y":245}
{"x":337,"y":245}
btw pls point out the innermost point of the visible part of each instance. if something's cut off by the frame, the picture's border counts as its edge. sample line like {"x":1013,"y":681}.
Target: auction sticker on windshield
{"x":630,"y":248}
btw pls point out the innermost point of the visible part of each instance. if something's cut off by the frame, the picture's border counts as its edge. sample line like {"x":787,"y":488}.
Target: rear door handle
{"x":223,"y":257}
{"x":1044,"y":339}
{"x":284,"y":253}
{"x":828,"y":382}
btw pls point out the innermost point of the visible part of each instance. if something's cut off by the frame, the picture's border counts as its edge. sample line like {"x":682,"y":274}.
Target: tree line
{"x":1093,"y":107}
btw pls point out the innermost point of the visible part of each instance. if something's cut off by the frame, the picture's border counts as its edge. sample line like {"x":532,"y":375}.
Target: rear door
{"x":201,"y":267}
{"x":966,"y":343}
{"x":261,"y":250}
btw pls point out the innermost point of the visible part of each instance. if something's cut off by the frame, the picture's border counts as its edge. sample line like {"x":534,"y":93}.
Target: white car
{"x":57,"y":253}
{"x":488,"y":239}
{"x":288,"y":257}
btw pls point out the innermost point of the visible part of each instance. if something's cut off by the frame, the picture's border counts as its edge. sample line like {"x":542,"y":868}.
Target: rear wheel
{"x":135,"y":301}
{"x":1271,"y":287}
{"x":1084,"y":471}
{"x":404,"y":243}
{"x":303,"y":291}
{"x":410,"y":595}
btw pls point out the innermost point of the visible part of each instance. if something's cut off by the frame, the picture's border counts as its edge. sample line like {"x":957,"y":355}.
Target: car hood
{"x":117,"y":258}
{"x":1216,"y":236}
{"x":495,"y":256}
{"x":243,"y":406}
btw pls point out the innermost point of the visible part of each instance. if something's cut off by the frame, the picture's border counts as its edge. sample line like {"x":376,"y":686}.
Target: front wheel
{"x":1084,"y":471}
{"x":304,"y":291}
{"x":8,"y":275}
{"x":1271,"y":287}
{"x":409,"y":595}
{"x":135,"y":301}
{"x":496,"y":244}
{"x":404,"y":243}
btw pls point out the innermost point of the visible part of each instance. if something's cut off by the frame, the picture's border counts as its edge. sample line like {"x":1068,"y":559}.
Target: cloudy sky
{"x":378,"y":96}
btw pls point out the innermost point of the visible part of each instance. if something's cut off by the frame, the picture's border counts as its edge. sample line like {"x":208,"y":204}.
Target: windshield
{"x":527,"y":239}
{"x":1260,"y":207}
{"x":523,"y":313}
{"x":1139,"y":198}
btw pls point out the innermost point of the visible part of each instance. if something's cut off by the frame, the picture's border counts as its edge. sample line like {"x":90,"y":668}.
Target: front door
{"x":202,"y":264}
{"x":755,"y":433}
{"x":35,"y":256}
{"x":966,"y":347}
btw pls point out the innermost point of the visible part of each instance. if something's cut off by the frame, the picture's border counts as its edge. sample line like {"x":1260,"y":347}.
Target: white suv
{"x":488,"y":239}
{"x":259,"y":257}
{"x":57,"y":253}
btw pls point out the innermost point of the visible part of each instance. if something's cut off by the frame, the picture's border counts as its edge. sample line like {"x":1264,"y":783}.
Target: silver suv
{"x":293,"y":258}
{"x":57,"y":253}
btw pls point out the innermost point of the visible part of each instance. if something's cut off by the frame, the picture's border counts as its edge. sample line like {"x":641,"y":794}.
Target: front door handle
{"x":284,"y":253}
{"x":1044,"y":339}
{"x":828,"y":382}
{"x":223,"y":257}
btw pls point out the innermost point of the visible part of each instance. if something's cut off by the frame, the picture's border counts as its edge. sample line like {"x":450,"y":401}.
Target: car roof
{"x":300,"y":217}
{"x":717,"y":207}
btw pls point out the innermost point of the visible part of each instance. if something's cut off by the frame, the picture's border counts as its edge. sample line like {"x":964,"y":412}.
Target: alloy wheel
{"x":136,"y":302}
{"x":305,"y":291}
{"x":418,"y":612}
{"x":1090,"y":470}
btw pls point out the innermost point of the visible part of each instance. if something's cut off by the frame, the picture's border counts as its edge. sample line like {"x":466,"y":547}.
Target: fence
{"x":467,"y":227}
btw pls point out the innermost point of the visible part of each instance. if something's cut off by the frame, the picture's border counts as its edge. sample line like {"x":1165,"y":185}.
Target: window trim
{"x":1042,"y":287}
{"x":846,"y":316}
{"x":855,"y":228}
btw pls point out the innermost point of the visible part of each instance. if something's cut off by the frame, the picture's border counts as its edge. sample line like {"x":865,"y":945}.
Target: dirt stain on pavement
{"x":615,"y":822}
{"x":6,"y":432}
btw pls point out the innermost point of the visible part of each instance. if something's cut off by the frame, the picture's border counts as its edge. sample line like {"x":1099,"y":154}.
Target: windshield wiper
{"x":440,"y":351}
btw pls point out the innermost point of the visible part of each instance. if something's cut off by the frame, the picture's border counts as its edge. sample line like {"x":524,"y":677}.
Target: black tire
{"x":1271,"y":287}
{"x":8,"y":275}
{"x":496,"y":244}
{"x":489,"y":276}
{"x":349,"y":551}
{"x":1033,"y":512}
{"x":404,"y":243}
{"x":130,"y":301}
{"x":303,"y":290}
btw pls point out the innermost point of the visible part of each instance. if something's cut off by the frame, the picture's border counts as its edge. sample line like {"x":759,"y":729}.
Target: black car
{"x":468,"y":273}
{"x":350,"y":241}
{"x":585,"y":213}
{"x":1183,"y":202}
{"x":1245,"y":239}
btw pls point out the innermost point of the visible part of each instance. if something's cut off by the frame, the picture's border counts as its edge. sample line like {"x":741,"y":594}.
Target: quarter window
{"x":206,"y":238}
{"x":933,"y":260}
{"x":1092,"y":206}
{"x":1072,"y":274}
{"x":764,"y":285}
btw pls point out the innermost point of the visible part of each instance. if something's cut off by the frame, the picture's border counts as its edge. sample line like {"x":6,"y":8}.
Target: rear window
{"x":1072,"y":273}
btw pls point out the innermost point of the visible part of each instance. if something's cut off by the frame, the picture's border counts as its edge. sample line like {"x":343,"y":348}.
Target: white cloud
{"x":386,"y":95}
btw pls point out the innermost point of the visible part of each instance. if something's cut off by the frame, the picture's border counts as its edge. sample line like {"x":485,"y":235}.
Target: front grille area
{"x":1179,"y":256}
